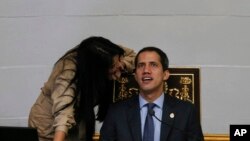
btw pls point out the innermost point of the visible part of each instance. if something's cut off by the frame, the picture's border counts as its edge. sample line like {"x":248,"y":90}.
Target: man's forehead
{"x":148,"y":56}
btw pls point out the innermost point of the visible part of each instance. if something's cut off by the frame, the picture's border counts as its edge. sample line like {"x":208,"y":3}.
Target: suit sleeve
{"x":194,"y":127}
{"x":107,"y":132}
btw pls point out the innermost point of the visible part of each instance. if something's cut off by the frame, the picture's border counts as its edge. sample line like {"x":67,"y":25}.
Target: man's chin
{"x":146,"y":89}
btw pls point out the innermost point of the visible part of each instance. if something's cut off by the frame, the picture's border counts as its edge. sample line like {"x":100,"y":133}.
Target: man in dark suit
{"x":167,"y":119}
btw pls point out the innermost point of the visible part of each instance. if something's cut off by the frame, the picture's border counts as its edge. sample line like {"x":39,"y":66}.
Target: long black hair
{"x":94,"y":59}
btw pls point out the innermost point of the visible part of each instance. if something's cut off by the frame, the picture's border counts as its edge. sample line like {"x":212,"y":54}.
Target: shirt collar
{"x":158,"y":101}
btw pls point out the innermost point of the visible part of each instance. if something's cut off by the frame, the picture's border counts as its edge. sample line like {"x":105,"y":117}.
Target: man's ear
{"x":166,"y":75}
{"x":135,"y":76}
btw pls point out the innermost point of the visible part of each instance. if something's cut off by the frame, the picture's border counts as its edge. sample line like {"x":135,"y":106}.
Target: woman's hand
{"x":59,"y":136}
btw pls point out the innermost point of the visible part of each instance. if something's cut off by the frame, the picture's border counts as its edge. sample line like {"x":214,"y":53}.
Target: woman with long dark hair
{"x":81,"y":79}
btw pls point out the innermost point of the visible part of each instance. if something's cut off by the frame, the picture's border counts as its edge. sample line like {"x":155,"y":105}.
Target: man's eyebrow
{"x":155,"y":62}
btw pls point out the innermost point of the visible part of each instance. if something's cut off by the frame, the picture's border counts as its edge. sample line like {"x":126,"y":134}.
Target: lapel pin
{"x":171,"y":115}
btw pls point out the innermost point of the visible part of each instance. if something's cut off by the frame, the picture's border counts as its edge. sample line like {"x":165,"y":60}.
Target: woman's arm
{"x":129,"y":58}
{"x":62,"y":96}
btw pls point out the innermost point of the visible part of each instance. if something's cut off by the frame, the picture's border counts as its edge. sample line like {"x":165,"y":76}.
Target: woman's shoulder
{"x":64,"y":67}
{"x":67,"y":62}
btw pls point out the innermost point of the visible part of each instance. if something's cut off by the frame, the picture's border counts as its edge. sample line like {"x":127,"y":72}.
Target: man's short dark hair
{"x":163,"y":56}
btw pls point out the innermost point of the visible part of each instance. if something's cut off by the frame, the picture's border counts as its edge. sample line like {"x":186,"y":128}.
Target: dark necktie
{"x":148,"y":134}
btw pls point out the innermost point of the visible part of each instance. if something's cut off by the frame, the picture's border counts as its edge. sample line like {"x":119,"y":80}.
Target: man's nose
{"x":147,"y":69}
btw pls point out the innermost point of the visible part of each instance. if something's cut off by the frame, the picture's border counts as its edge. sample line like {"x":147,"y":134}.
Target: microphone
{"x":151,"y":112}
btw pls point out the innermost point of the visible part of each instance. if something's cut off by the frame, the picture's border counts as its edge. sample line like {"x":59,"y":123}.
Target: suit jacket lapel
{"x":167,"y":117}
{"x":134,"y":119}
